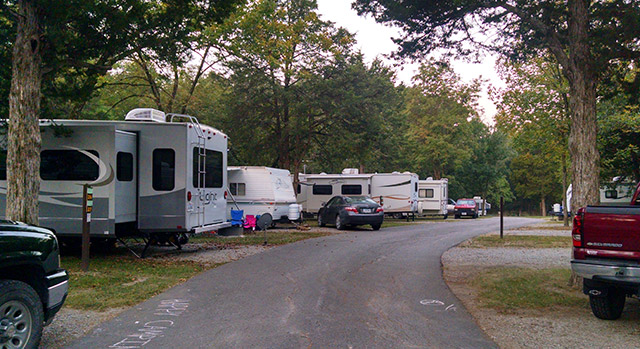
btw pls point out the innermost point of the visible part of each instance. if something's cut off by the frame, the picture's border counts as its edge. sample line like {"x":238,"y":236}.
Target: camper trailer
{"x":151,"y":176}
{"x":433,"y":197}
{"x":316,"y":189}
{"x":396,"y":192}
{"x":483,"y":206}
{"x":262,"y":191}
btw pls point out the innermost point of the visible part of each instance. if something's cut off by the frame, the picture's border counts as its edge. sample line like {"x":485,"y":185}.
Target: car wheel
{"x":608,"y":307}
{"x":320,"y":221}
{"x":21,"y":315}
{"x":376,"y":226}
{"x":445,"y":217}
{"x":456,"y":217}
{"x":339,"y":224}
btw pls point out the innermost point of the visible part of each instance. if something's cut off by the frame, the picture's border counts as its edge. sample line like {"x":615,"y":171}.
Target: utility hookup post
{"x":501,"y":217}
{"x":87,"y":207}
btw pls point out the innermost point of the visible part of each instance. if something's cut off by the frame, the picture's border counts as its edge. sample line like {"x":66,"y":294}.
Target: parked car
{"x":606,"y":253}
{"x":466,"y":207}
{"x":346,"y":211}
{"x":33,"y":287}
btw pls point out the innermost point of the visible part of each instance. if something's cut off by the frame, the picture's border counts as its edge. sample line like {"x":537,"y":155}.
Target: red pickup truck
{"x":606,"y":253}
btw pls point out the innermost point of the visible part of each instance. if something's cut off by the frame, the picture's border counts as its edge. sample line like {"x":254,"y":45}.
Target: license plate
{"x":464,"y":213}
{"x":366,"y":210}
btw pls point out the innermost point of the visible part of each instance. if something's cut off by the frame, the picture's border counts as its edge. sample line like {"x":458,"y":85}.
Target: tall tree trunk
{"x":23,"y":158}
{"x":565,"y":215}
{"x":543,"y":206}
{"x":582,"y":82}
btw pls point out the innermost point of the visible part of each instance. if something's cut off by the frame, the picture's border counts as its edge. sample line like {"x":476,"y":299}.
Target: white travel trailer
{"x":396,"y":192}
{"x":316,"y":189}
{"x":483,"y":206}
{"x":433,"y":197}
{"x":261,"y":191}
{"x":153,"y":178}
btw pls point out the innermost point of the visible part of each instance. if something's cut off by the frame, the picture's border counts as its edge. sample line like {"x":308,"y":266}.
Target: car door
{"x":332,"y":209}
{"x":327,"y":217}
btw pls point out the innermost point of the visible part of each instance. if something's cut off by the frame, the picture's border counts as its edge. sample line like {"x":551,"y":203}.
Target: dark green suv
{"x":32,"y":285}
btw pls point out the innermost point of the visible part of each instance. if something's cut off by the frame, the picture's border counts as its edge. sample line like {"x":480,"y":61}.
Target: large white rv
{"x":396,"y":192}
{"x":149,"y":176}
{"x":316,"y":189}
{"x":260,"y":191}
{"x":433,"y":197}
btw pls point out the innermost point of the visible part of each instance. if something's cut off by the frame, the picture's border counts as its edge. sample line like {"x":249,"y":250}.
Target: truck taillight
{"x":576,"y":232}
{"x":351,"y":209}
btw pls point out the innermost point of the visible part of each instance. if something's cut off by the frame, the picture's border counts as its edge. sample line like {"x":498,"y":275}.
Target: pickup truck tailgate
{"x":614,"y":228}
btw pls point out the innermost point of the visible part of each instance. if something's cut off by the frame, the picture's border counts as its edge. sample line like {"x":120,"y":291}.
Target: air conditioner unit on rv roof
{"x":145,"y":114}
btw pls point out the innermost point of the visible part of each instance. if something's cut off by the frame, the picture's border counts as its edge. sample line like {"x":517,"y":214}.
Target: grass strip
{"x":523,"y":241}
{"x":510,"y":289}
{"x":113,"y":282}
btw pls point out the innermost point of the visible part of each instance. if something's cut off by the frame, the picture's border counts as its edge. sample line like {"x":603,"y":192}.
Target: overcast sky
{"x":375,"y":40}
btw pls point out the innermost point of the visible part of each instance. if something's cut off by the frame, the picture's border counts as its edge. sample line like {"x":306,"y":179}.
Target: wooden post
{"x":501,"y":217}
{"x":87,"y":207}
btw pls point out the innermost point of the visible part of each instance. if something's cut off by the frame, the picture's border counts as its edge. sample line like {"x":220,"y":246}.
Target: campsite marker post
{"x":501,"y":217}
{"x":87,"y":207}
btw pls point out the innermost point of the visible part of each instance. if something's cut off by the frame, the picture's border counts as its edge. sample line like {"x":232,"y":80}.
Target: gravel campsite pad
{"x":563,"y":327}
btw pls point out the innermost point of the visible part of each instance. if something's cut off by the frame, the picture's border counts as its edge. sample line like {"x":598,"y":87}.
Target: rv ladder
{"x":202,"y":161}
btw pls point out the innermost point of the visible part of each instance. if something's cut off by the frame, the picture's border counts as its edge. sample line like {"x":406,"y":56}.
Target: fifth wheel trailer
{"x":396,"y":192}
{"x":149,"y":176}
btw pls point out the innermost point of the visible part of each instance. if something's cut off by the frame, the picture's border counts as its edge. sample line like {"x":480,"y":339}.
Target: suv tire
{"x":608,"y":307}
{"x":21,"y":310}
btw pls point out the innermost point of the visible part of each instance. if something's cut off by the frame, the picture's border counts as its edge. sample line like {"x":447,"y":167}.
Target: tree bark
{"x":23,"y":149}
{"x":582,"y":83}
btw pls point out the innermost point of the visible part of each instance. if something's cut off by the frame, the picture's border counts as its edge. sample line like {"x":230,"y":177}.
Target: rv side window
{"x":164,"y":168}
{"x":212,"y":168}
{"x":416,"y":186}
{"x":238,"y":189}
{"x":299,"y":188}
{"x":3,"y":165}
{"x":351,"y":189}
{"x":124,"y":166}
{"x":68,"y":165}
{"x":426,"y":193}
{"x":322,"y":189}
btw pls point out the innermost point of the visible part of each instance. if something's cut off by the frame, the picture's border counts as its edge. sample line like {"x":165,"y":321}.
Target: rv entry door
{"x":126,"y":177}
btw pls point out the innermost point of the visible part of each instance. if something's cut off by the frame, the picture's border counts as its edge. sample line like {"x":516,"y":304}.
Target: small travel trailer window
{"x":351,"y":189}
{"x":299,"y":187}
{"x":238,"y":189}
{"x":322,"y":189}
{"x":164,"y":169}
{"x":212,"y":168}
{"x":426,"y":193}
{"x":416,"y":186}
{"x":124,"y":166}
{"x":3,"y":165}
{"x":68,"y":165}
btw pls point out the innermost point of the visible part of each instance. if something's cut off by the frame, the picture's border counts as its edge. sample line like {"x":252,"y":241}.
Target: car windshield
{"x":359,"y":200}
{"x":466,"y":202}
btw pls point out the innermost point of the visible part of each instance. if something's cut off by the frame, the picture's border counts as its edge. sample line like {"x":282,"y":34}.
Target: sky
{"x":374,"y":39}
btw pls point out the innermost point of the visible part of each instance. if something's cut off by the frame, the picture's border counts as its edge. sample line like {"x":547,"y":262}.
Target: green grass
{"x":510,"y":289}
{"x":386,"y":223}
{"x":524,"y":241}
{"x":274,"y":237}
{"x":113,"y":282}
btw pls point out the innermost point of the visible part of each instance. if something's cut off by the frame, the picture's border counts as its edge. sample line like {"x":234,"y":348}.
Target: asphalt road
{"x":358,"y":289}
